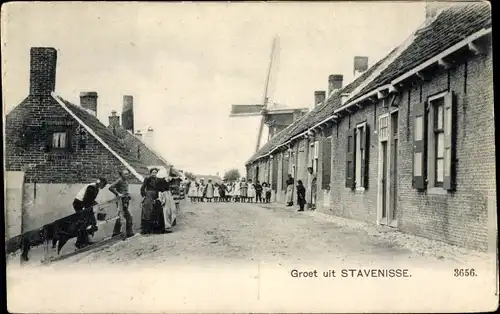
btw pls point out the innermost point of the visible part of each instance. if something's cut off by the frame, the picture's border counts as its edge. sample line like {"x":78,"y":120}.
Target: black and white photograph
{"x":249,"y":157}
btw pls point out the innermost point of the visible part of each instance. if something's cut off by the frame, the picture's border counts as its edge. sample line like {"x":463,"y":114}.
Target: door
{"x":256,"y":173}
{"x":383,"y":176}
{"x":384,"y":182}
{"x":393,"y":154}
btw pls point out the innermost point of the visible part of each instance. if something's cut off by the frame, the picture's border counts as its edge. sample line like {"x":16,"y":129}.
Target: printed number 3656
{"x":461,"y":272}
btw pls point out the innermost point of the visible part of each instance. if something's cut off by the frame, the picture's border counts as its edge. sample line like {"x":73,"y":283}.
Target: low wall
{"x":45,"y":203}
{"x":13,"y":203}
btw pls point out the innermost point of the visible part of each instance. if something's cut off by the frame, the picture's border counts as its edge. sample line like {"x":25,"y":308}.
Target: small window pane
{"x":418,"y":128}
{"x":59,"y":140}
{"x":440,"y":145}
{"x":439,"y":117}
{"x":349,"y":143}
{"x":417,"y":165}
{"x":440,"y":170}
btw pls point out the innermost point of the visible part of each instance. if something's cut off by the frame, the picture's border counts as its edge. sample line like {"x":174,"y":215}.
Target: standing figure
{"x":120,"y":189}
{"x":222,"y":191}
{"x":216,"y":192}
{"x":289,"y":190}
{"x":251,"y":191}
{"x":258,"y":191}
{"x":167,"y":208}
{"x":301,"y":195}
{"x":86,"y":200}
{"x":193,"y":190}
{"x":201,"y":191}
{"x":150,"y":196}
{"x":312,"y":205}
{"x":243,"y":190}
{"x":236,"y":192}
{"x":209,"y":190}
{"x":230,"y":191}
{"x":267,"y":192}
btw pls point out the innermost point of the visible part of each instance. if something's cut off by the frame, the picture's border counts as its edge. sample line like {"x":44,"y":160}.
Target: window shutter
{"x":69,"y":136}
{"x":326,"y":163}
{"x":350,"y":159}
{"x":419,"y":146}
{"x":449,"y":142}
{"x":365,"y":146}
{"x":284,"y":171}
{"x":48,"y":140}
{"x":274,"y":177}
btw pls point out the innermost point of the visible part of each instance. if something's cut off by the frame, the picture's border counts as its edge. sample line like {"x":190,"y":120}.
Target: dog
{"x":59,"y":231}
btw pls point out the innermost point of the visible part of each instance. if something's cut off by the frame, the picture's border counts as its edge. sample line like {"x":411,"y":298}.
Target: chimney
{"x":114,"y":120}
{"x":319,"y":97}
{"x":138,"y":134}
{"x":335,"y":82}
{"x":128,"y":113}
{"x":88,"y":101}
{"x":148,"y":137}
{"x":360,"y":65}
{"x":43,"y":65}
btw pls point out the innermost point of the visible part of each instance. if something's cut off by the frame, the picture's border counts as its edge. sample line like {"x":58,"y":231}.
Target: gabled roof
{"x":103,"y":135}
{"x":451,"y":26}
{"x":448,"y":28}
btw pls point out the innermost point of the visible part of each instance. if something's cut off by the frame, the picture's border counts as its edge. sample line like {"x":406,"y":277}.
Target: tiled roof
{"x":450,"y":27}
{"x":102,"y":131}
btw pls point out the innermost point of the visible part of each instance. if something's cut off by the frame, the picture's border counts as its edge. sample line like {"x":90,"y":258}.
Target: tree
{"x":232,"y":175}
{"x":189,"y":175}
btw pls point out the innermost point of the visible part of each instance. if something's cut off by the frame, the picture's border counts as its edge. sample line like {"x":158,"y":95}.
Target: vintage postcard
{"x":237,"y":157}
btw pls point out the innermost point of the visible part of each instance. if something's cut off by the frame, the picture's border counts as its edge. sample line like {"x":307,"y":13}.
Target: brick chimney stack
{"x":433,"y":7}
{"x":114,"y":120}
{"x":88,"y":101}
{"x":360,"y":65}
{"x":43,"y":65}
{"x":128,"y":113}
{"x":335,"y":82}
{"x":319,"y":97}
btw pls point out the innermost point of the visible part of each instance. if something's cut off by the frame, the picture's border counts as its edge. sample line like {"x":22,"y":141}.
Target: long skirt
{"x":289,"y":193}
{"x":169,"y":209}
{"x":193,"y":191}
{"x":152,"y":214}
{"x":243,"y":192}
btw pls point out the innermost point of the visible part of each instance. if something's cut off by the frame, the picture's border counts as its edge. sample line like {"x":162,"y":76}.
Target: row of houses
{"x":53,"y":147}
{"x":410,"y":142}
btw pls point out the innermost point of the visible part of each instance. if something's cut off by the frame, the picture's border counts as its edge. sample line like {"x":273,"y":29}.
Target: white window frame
{"x":358,"y":163}
{"x":61,"y":138}
{"x":431,"y":143}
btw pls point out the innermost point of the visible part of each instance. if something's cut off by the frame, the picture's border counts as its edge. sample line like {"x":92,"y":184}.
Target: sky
{"x":186,"y":63}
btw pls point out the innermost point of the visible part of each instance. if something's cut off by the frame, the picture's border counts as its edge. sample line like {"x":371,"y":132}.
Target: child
{"x":258,"y":191}
{"x":209,"y":190}
{"x":301,"y":195}
{"x":251,"y":191}
{"x":222,"y":191}
{"x":267,"y":193}
{"x":243,"y":190}
{"x":236,"y":192}
{"x":216,"y":193}
{"x":193,"y":191}
{"x":201,"y":191}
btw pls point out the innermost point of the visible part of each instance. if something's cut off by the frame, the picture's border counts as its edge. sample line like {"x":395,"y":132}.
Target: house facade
{"x":53,"y":148}
{"x":410,"y":143}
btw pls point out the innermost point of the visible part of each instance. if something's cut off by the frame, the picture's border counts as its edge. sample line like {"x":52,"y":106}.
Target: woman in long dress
{"x":150,"y":196}
{"x":167,"y":202}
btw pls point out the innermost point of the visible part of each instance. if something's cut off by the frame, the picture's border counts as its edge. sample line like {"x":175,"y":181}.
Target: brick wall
{"x":79,"y":166}
{"x":458,"y":217}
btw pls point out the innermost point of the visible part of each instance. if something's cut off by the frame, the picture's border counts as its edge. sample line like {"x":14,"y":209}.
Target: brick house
{"x":56,"y":147}
{"x":399,"y":145}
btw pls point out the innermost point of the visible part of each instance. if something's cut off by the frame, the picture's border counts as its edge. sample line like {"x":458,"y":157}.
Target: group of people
{"x":301,"y":191}
{"x":159,"y":210}
{"x":241,"y":191}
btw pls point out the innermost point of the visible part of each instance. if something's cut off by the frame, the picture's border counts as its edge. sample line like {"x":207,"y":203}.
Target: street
{"x":274,"y":233}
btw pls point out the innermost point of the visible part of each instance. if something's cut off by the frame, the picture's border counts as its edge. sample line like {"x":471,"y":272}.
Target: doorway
{"x":388,"y":169}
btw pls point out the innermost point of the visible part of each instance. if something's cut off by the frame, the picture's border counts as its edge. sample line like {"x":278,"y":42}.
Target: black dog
{"x":59,"y":231}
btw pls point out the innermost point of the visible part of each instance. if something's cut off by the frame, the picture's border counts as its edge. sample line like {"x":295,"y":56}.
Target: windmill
{"x":276,"y":116}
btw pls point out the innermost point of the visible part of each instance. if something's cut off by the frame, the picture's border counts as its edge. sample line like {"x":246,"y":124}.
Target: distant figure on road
{"x":209,"y":190}
{"x":243,"y":190}
{"x":120,"y":189}
{"x":251,"y":191}
{"x":222,"y":191}
{"x":201,"y":190}
{"x":85,"y":200}
{"x":301,"y":195}
{"x":258,"y":191}
{"x":289,"y":190}
{"x":312,"y":204}
{"x":236,"y":191}
{"x":216,"y":192}
{"x":193,"y":190}
{"x":267,"y":192}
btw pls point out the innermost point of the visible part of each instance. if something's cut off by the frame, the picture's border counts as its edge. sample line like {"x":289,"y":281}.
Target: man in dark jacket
{"x":120,"y":189}
{"x":85,"y":200}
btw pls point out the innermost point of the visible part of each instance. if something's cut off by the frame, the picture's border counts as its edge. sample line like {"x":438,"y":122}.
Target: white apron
{"x":169,"y":208}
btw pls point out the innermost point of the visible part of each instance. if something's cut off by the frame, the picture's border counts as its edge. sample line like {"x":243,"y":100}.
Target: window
{"x":438,"y":108}
{"x":314,"y":156}
{"x":357,"y":157}
{"x":434,"y":143}
{"x":326,"y":163}
{"x":59,"y":140}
